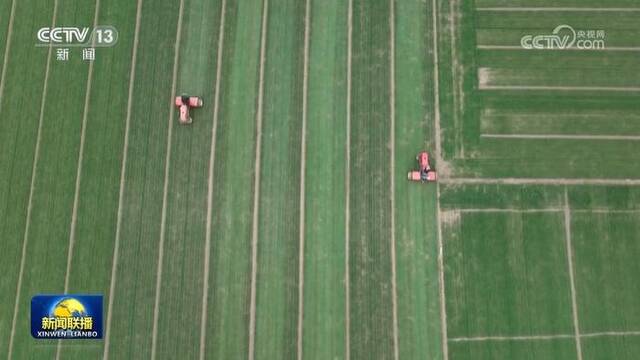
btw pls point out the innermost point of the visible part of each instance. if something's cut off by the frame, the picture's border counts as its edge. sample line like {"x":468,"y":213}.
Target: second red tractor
{"x":425,"y":172}
{"x":185,"y":102}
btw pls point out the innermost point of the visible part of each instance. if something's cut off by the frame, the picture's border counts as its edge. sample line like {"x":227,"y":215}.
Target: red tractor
{"x":185,"y":102}
{"x":425,"y":172}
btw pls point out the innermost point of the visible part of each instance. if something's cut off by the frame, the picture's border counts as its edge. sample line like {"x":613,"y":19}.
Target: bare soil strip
{"x":517,"y":47}
{"x":256,"y":183}
{"x":440,"y":162}
{"x":76,"y":195}
{"x":483,"y":86}
{"x":552,"y":9}
{"x":347,"y":190}
{"x":392,"y":115}
{"x":7,"y":48}
{"x":574,"y":302}
{"x":303,"y":156}
{"x":563,"y":137}
{"x":32,"y":186}
{"x":611,"y":333}
{"x":537,"y":181}
{"x":212,"y":156}
{"x":521,"y":211}
{"x":123,"y":170}
{"x":165,"y":192}
{"x":543,"y":337}
{"x":512,"y":338}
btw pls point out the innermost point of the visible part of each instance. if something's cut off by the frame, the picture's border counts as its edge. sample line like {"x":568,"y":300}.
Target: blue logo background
{"x":42,"y":306}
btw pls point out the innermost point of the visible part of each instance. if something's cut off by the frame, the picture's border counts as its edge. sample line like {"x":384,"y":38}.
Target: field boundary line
{"x":440,"y":161}
{"x":482,"y":86}
{"x":76,"y":194}
{"x":256,"y":182}
{"x":303,"y":155}
{"x":611,"y":333}
{"x":34,"y":168}
{"x":347,"y":213}
{"x":509,"y":210}
{"x":516,"y":47}
{"x":572,"y":283}
{"x":212,"y":155}
{"x":542,"y":337}
{"x":551,"y":9}
{"x":543,"y":210}
{"x":562,"y":137}
{"x":7,"y":48}
{"x":538,"y":181}
{"x":123,"y":170}
{"x":511,"y":338}
{"x":392,"y":181}
{"x":165,"y":191}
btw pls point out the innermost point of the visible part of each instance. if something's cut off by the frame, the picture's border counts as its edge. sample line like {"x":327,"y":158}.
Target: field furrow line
{"x":76,"y":194}
{"x":558,"y":9}
{"x":538,"y":181}
{"x":347,"y":213}
{"x":303,"y":155}
{"x":123,"y":170}
{"x":7,"y":49}
{"x":512,"y":338}
{"x":572,"y":283}
{"x":212,"y":155}
{"x":256,"y":183}
{"x":34,"y":168}
{"x":518,"y":47}
{"x":440,"y":161}
{"x":483,"y":86}
{"x":165,"y":191}
{"x":392,"y":184}
{"x":562,"y":137}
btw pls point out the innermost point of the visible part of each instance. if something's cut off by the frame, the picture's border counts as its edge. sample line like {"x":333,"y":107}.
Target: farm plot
{"x":534,"y":271}
{"x":567,"y":111}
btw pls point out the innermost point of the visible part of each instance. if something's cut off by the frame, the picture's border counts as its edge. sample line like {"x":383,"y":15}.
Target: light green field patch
{"x":102,"y":160}
{"x":48,"y":238}
{"x":230,"y":266}
{"x":506,"y":275}
{"x":560,"y":349}
{"x":607,"y":247}
{"x":324,"y":286}
{"x":278,"y":217}
{"x":614,"y":347}
{"x":415,"y":203}
{"x":521,"y":197}
{"x":182,"y":268}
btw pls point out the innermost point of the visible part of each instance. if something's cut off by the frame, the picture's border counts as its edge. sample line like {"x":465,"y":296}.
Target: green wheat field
{"x":280,"y":223}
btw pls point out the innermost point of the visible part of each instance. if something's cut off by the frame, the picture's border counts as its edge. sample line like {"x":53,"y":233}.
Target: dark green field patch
{"x":371,"y":331}
{"x":18,"y":131}
{"x":605,"y":197}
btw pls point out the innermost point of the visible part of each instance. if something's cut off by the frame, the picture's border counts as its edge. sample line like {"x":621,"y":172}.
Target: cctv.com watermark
{"x":565,"y":37}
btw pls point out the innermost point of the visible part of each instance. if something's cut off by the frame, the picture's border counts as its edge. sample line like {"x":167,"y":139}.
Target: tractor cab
{"x":425,"y":172}
{"x":184,"y":103}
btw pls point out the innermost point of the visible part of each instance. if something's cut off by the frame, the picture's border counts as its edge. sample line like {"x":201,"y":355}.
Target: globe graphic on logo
{"x":68,"y":307}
